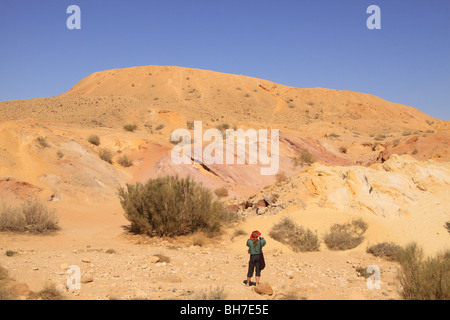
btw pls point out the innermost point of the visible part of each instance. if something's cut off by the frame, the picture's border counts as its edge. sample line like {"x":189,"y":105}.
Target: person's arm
{"x":263,"y":242}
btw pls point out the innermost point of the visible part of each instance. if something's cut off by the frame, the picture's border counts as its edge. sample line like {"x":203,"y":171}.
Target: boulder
{"x":264,"y":289}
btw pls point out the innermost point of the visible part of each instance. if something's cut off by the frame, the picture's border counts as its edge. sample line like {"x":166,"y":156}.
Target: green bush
{"x":346,"y":236}
{"x":299,"y":239}
{"x":171,"y":206}
{"x":424,"y":279}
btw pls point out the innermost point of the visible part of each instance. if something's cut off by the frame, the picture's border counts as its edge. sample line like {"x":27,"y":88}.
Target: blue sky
{"x":300,"y":43}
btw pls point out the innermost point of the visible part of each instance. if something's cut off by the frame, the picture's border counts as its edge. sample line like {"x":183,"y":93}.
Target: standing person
{"x":254,"y":244}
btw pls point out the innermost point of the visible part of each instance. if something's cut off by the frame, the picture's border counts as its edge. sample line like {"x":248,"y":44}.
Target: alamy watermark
{"x":238,"y":146}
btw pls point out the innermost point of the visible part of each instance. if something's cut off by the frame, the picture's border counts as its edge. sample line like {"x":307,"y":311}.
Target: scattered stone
{"x":87,"y":278}
{"x":21,"y":289}
{"x":264,"y":289}
{"x":153,"y":259}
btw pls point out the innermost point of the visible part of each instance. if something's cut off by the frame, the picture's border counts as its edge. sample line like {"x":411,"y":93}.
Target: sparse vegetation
{"x":306,"y":158}
{"x":124,"y":161}
{"x":386,"y":250}
{"x":42,"y":142}
{"x":5,"y":292}
{"x":237,"y":233}
{"x":298,"y":238}
{"x":424,"y":279}
{"x":280,"y":177}
{"x":333,"y":135}
{"x":346,"y":236}
{"x":216,"y":293}
{"x":32,"y":217}
{"x":171,"y":206}
{"x":50,"y":292}
{"x":407,"y":133}
{"x":130,"y":127}
{"x":343,"y":149}
{"x":190,"y":125}
{"x":199,"y":239}
{"x":105,"y":154}
{"x":395,"y":142}
{"x":94,"y":139}
{"x":222,"y":127}
{"x":10,"y":253}
{"x":159,"y":127}
{"x":221,"y":192}
{"x":380,"y":137}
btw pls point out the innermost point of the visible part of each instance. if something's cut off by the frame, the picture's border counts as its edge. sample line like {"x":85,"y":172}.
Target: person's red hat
{"x":255,"y":234}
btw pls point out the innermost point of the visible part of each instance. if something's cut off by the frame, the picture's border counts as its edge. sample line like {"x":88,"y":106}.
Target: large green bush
{"x":171,"y":206}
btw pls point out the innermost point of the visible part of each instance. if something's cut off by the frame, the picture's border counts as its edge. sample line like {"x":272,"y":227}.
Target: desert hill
{"x":370,"y":158}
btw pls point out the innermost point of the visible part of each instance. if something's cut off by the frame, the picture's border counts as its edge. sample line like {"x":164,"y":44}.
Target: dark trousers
{"x":253,"y":265}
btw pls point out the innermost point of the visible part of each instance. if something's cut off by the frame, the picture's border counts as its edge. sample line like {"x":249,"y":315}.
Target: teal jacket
{"x":251,"y":247}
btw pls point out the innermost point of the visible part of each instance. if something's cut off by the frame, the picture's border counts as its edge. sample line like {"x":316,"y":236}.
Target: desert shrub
{"x":190,"y":125}
{"x":42,"y":142}
{"x":221,"y":192}
{"x":447,"y":226}
{"x":106,"y":155}
{"x":199,"y":239}
{"x":310,"y":103}
{"x":6,"y":293}
{"x":124,"y":161}
{"x":386,"y":250}
{"x":222,"y":127}
{"x":171,"y":206}
{"x":305,"y":158}
{"x":130,"y":127}
{"x":50,"y":292}
{"x":159,"y":127}
{"x":32,"y":216}
{"x":94,"y":139}
{"x":237,"y":233}
{"x":424,"y":279}
{"x":395,"y":142}
{"x":333,"y":135}
{"x":280,"y":177}
{"x":346,"y":236}
{"x":10,"y":253}
{"x":343,"y":149}
{"x":216,"y":293}
{"x":407,"y":133}
{"x":59,"y":154}
{"x":380,"y":137}
{"x":299,"y":239}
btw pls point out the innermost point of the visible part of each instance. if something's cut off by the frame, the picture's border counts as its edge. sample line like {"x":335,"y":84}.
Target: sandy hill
{"x":382,"y":161}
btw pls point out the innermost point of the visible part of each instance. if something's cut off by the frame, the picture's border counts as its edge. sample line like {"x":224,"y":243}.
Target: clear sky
{"x":300,"y":43}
